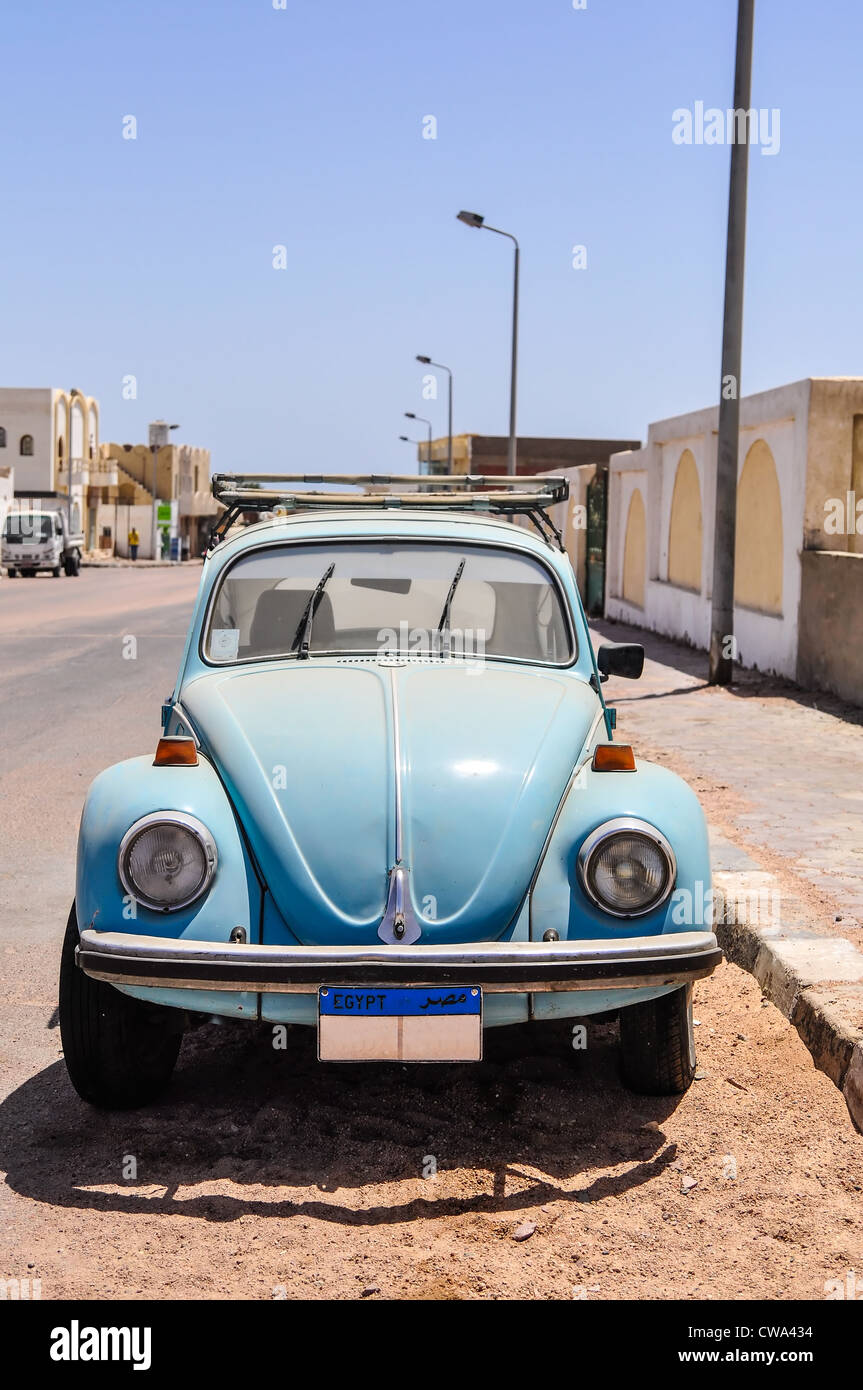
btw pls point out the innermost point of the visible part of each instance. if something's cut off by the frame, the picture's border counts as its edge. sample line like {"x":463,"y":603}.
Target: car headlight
{"x":627,"y":867}
{"x":167,"y":860}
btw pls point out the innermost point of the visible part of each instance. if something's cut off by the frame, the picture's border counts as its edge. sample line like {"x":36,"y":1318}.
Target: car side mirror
{"x":621,"y":659}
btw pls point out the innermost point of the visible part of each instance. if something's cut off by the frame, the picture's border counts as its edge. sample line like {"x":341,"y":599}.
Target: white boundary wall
{"x":781,"y":418}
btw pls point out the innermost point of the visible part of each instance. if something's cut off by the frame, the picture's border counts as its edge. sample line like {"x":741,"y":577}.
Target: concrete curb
{"x":815,"y":980}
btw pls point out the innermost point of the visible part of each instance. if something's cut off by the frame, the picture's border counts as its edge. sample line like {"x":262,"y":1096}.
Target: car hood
{"x":333,"y":765}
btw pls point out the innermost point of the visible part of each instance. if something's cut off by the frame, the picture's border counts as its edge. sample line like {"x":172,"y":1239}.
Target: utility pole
{"x":721,"y":661}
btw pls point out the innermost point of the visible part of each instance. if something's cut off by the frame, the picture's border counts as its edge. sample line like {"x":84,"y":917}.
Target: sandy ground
{"x":263,"y":1175}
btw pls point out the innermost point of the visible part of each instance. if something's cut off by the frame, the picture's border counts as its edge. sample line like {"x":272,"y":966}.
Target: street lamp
{"x":159,"y":436}
{"x":407,"y":440}
{"x":429,"y":363}
{"x":409,"y":415}
{"x":474,"y":219}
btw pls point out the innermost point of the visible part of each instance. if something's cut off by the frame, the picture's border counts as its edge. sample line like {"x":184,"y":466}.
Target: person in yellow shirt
{"x":134,"y":542}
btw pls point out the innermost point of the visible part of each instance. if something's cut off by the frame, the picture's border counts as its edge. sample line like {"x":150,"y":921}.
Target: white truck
{"x":39,"y":539}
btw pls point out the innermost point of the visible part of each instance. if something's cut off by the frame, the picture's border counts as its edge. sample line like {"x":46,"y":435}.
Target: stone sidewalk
{"x":779,"y":772}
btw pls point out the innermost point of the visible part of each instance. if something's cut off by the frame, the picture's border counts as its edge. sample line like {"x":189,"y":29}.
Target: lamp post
{"x":405,"y":439}
{"x":160,"y":433}
{"x":440,"y":366}
{"x":409,"y":415}
{"x":474,"y":219}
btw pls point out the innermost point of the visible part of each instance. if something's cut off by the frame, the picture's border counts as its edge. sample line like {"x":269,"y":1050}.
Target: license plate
{"x":399,"y":1025}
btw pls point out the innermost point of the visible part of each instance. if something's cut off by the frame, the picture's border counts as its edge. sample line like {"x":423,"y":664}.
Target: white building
{"x":7,"y":490}
{"x":798,"y":594}
{"x":51,"y":439}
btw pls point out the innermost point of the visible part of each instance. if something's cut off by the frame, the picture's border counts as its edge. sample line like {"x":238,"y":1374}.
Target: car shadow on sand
{"x":535,"y":1121}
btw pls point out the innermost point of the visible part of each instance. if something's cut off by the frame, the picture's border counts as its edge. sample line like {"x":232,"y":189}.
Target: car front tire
{"x":119,"y":1052}
{"x":657,"y":1044}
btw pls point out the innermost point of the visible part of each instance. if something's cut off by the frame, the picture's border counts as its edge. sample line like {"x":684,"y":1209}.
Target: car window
{"x":383,"y":598}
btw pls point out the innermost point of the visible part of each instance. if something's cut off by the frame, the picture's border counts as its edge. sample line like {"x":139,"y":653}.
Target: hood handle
{"x":400,"y":925}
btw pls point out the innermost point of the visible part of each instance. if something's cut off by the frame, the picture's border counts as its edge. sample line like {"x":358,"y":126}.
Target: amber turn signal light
{"x":613,"y":757}
{"x":176,"y":751}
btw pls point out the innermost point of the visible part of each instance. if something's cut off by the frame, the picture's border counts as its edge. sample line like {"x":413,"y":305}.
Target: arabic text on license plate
{"x":374,"y":1024}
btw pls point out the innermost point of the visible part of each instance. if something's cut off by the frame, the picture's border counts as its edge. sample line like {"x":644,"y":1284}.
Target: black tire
{"x":657,"y":1044}
{"x":72,"y":566}
{"x":11,"y":574}
{"x":56,"y":571}
{"x":119,"y":1052}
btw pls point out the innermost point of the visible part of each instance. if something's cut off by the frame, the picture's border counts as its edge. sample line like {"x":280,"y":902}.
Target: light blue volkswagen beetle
{"x":387,"y":803}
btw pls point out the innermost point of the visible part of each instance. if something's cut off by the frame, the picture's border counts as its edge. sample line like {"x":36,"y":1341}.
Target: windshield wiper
{"x":443,"y":625}
{"x":304,"y":626}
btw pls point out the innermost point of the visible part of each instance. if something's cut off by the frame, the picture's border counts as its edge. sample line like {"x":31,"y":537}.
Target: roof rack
{"x":502,"y":495}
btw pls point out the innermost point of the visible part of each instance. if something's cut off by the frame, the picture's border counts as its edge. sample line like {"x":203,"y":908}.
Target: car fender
{"x":119,"y":797}
{"x":653,"y":794}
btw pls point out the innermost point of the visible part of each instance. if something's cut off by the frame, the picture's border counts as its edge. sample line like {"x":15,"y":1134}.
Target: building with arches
{"x":799,"y":531}
{"x":50,"y":437}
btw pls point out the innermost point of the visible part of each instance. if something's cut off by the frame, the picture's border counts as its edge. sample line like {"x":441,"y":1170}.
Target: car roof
{"x":384,"y":521}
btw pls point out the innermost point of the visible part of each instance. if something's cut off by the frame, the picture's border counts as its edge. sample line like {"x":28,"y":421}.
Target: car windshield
{"x":27,"y":526}
{"x":419,"y":599}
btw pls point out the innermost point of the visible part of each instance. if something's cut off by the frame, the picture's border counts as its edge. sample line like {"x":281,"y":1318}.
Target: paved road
{"x":84,"y":666}
{"x":263,"y":1175}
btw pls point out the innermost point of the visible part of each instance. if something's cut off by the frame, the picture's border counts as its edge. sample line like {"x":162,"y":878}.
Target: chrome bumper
{"x":499,"y":967}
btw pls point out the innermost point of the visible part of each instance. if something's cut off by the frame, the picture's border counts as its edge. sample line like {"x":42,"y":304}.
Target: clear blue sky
{"x":303,"y":127}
